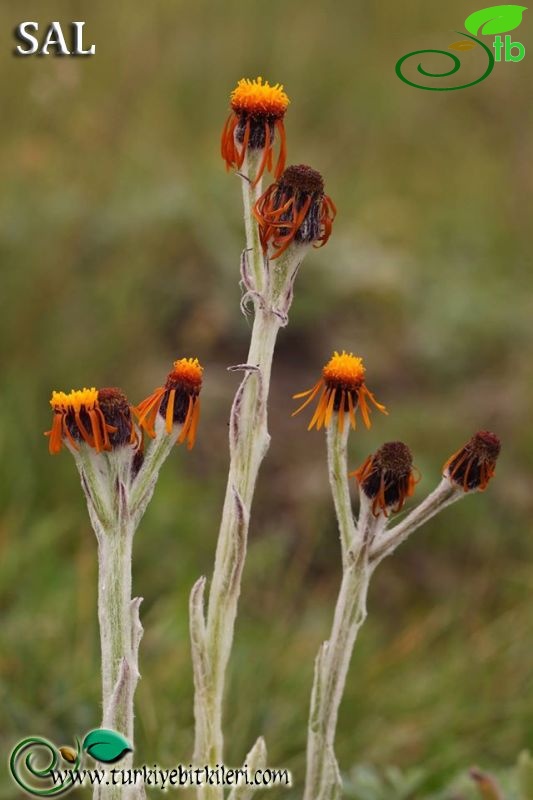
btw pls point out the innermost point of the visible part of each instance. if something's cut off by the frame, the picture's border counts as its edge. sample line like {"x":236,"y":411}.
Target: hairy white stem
{"x":444,"y":495}
{"x":143,"y":484}
{"x":212,"y":637}
{"x":269,"y":285}
{"x":115,"y":605}
{"x":120,"y":634}
{"x":250,"y":196}
{"x":371,"y":526}
{"x":337,"y":468}
{"x":331,"y":667}
{"x":256,"y":759}
{"x":200,"y":662}
{"x":116,"y":502}
{"x":363,"y":548}
{"x":249,"y":440}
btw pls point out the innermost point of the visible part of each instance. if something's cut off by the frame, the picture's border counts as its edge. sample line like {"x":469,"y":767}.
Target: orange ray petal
{"x":379,"y":406}
{"x":95,"y":427}
{"x":319,"y":411}
{"x":312,"y":394}
{"x":244,"y":146}
{"x":364,"y":408}
{"x":55,"y":443}
{"x":280,"y":166}
{"x":191,"y":436}
{"x":169,"y":417}
{"x":83,"y":430}
{"x":105,"y":429}
{"x":186,"y":422}
{"x":329,"y":409}
{"x":341,"y":411}
{"x":351,"y":411}
{"x":264,"y":159}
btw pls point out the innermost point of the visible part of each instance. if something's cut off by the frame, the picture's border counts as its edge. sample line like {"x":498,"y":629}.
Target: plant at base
{"x":118,"y":478}
{"x":296,"y":217}
{"x":386,"y":480}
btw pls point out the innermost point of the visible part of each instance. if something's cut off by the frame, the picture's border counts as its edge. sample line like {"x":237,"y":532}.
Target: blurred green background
{"x":120,"y":235}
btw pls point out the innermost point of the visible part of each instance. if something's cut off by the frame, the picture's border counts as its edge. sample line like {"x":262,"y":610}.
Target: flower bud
{"x":177,"y":402}
{"x":257,"y":115}
{"x":473,"y":465}
{"x":295,"y":209}
{"x":387,"y":477}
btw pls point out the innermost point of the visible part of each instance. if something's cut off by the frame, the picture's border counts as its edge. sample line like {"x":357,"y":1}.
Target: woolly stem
{"x":331,"y":667}
{"x":444,"y":495}
{"x":106,"y":480}
{"x":250,"y":195}
{"x":337,"y":442}
{"x":120,"y":634}
{"x":363,"y":548}
{"x":144,"y":483}
{"x":212,"y":634}
{"x":249,"y":440}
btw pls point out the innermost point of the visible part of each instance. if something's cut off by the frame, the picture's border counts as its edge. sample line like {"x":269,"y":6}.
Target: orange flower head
{"x":474,"y":465}
{"x":257,"y":115}
{"x":177,"y":402}
{"x":387,"y":477}
{"x":342,"y":390}
{"x":295,"y":209}
{"x":99,"y":417}
{"x":258,"y":98}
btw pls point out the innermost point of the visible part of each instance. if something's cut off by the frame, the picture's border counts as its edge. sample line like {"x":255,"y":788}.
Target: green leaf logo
{"x":496,"y":19}
{"x":107,"y":746}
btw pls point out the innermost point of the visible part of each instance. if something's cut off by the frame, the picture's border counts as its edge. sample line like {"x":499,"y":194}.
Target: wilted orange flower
{"x":177,"y":402}
{"x":257,"y":113}
{"x":295,"y":208}
{"x":342,"y":390}
{"x":99,"y":417}
{"x":473,"y":465}
{"x":387,"y":477}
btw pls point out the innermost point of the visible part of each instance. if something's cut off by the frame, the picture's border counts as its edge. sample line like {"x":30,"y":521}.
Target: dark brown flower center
{"x":485,"y":446}
{"x":301,"y":178}
{"x":114,"y":406}
{"x":395,"y":458}
{"x":388,"y":477}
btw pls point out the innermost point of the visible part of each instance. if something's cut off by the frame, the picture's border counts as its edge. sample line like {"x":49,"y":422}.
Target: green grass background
{"x":120,"y":235}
